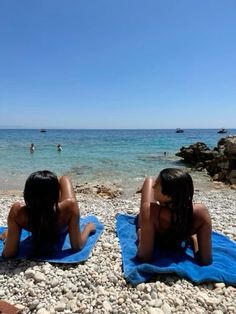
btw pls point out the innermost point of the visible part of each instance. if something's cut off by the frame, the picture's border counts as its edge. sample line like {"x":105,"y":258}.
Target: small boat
{"x":43,"y":131}
{"x":222,"y":131}
{"x":178,"y":130}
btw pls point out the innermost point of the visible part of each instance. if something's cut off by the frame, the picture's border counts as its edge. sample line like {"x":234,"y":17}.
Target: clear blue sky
{"x":118,"y":64}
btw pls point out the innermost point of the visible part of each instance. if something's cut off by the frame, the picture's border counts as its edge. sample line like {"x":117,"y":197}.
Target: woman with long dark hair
{"x":168,"y":218}
{"x":50,"y":209}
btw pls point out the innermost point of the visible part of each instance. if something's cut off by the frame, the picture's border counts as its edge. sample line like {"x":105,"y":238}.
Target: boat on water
{"x":43,"y":131}
{"x":178,"y":130}
{"x":222,"y":131}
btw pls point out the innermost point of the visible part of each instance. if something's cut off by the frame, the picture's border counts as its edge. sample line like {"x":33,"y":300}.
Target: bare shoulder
{"x":67,"y":204}
{"x":200,"y":215}
{"x":68,"y":207}
{"x":18,"y":214}
{"x":200,"y":210}
{"x":16,"y":210}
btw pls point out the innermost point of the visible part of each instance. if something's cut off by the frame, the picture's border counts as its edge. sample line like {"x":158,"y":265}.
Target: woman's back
{"x":63,"y":214}
{"x":168,"y":217}
{"x":50,"y":208}
{"x":161,"y":217}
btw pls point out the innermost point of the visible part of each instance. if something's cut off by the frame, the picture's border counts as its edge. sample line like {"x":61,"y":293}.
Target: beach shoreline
{"x":128,"y":186}
{"x":98,"y":285}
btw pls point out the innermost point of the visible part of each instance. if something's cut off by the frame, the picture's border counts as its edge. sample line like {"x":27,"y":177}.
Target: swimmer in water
{"x":59,"y":148}
{"x":32,"y":148}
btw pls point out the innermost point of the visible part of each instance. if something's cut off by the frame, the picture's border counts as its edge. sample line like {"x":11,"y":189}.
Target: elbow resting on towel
{"x":77,"y":247}
{"x":202,"y":261}
{"x":8,"y":254}
{"x":144,"y":257}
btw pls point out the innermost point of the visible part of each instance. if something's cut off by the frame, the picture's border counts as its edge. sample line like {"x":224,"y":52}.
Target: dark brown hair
{"x":41,"y":195}
{"x":178,"y":184}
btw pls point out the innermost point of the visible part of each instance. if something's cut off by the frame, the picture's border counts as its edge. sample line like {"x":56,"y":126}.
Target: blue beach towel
{"x":223,"y":268}
{"x":63,"y":253}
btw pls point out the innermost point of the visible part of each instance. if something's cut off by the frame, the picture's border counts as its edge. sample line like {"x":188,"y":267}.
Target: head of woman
{"x":175,"y":187}
{"x":41,"y":195}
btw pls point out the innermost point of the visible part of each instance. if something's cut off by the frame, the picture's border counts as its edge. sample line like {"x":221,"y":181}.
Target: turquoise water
{"x":124,"y":157}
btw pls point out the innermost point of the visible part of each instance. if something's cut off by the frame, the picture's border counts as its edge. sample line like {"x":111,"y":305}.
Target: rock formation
{"x":220,"y":162}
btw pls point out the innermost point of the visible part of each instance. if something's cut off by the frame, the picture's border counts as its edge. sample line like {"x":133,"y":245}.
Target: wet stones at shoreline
{"x":105,"y":191}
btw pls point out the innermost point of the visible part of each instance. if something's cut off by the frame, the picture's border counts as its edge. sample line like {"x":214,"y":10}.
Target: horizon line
{"x":28,"y":128}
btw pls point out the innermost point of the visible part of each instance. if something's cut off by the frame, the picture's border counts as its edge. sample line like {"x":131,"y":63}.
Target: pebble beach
{"x":98,"y":285}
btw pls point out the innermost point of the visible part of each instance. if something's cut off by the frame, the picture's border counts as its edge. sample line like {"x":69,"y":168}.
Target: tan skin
{"x":67,"y":219}
{"x":155,"y":217}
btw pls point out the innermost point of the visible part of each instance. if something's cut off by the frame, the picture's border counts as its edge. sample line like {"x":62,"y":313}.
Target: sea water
{"x":123,"y":157}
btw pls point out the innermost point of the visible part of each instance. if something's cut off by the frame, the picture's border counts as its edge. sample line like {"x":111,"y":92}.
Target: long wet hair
{"x":41,"y":195}
{"x":178,"y":184}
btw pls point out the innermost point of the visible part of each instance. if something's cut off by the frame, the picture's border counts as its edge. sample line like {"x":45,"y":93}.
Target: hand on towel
{"x":3,"y":236}
{"x":91,"y":227}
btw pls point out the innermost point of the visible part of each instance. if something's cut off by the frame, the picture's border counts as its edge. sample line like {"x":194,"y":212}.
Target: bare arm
{"x":78,"y":238}
{"x":66,"y":189}
{"x":13,"y":234}
{"x":146,"y":235}
{"x":147,"y":196}
{"x":202,"y":238}
{"x":146,"y":231}
{"x":68,"y":200}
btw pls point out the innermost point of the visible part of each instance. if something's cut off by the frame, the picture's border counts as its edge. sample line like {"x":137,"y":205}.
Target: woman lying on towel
{"x":50,"y":209}
{"x":168,"y":217}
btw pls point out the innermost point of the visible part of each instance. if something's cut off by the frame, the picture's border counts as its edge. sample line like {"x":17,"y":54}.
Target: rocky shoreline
{"x":98,"y":285}
{"x":220,"y":163}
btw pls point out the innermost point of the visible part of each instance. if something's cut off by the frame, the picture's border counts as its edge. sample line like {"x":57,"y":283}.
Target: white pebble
{"x":38,"y":276}
{"x":166,"y":308}
{"x":43,"y":311}
{"x":107,"y":306}
{"x":60,"y":307}
{"x":29,"y":273}
{"x":153,"y":310}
